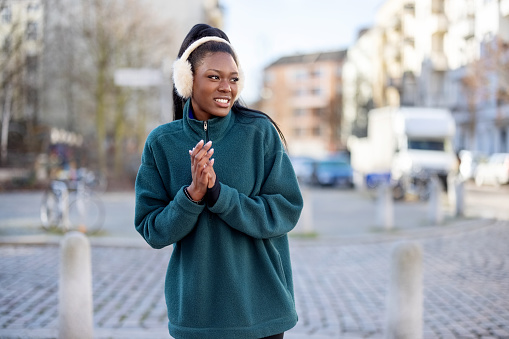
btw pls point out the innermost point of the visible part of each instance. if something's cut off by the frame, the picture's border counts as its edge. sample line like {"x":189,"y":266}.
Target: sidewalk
{"x":340,"y":264}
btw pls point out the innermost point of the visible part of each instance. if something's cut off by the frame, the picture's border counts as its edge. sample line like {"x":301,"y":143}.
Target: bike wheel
{"x":86,"y":214}
{"x":50,"y":213}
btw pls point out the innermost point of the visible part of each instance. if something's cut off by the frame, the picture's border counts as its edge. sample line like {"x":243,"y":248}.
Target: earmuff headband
{"x":183,"y":74}
{"x":200,"y":42}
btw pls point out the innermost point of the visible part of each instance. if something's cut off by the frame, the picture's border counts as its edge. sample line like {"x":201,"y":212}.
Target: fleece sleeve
{"x":160,"y":220}
{"x":272,"y":213}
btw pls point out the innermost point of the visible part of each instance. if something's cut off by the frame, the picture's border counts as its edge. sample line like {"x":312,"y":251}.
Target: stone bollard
{"x":306,"y":217}
{"x":459,"y":188}
{"x":457,"y":196}
{"x":435,"y":212}
{"x":384,"y":207}
{"x":75,"y":309}
{"x":451,"y":192}
{"x":404,"y":317}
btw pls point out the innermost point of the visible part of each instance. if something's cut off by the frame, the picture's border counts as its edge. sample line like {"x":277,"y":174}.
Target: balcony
{"x":392,"y":53}
{"x":439,"y":23}
{"x":439,"y":61}
{"x":467,"y":28}
{"x":504,"y":8}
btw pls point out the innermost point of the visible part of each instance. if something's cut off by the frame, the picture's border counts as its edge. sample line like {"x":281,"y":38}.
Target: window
{"x":300,"y":92}
{"x":299,"y":132}
{"x":31,"y":64}
{"x":299,"y":112}
{"x":7,"y":45}
{"x":31,"y":30}
{"x":319,"y":112}
{"x":317,"y":91}
{"x":503,"y":140}
{"x":316,"y":131}
{"x":301,"y":74}
{"x":6,"y":14}
{"x":430,"y":145}
{"x":32,"y":8}
{"x":316,"y":73}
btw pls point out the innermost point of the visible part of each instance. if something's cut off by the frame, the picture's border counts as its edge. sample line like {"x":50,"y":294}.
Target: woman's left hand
{"x":202,"y":170}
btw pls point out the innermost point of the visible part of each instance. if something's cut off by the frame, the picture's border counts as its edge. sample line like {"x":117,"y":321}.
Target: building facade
{"x":303,"y":94}
{"x":436,"y":53}
{"x":21,"y":27}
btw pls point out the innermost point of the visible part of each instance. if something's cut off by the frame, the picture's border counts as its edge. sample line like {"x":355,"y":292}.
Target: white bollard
{"x":75,"y":306}
{"x":451,"y":192}
{"x":404,"y":317}
{"x":456,"y":194}
{"x":435,"y":212}
{"x":306,"y":218}
{"x":459,"y":206}
{"x":384,"y":207}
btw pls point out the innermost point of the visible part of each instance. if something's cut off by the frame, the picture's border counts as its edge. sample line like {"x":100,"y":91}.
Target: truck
{"x":405,"y":147}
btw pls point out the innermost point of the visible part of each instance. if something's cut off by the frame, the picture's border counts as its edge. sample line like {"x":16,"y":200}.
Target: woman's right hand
{"x":201,"y":169}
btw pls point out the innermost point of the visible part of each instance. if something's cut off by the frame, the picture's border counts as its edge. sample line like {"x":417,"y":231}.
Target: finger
{"x":204,"y":152}
{"x":196,"y":148}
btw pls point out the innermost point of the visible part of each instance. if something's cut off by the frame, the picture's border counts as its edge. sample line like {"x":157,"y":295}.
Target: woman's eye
{"x":235,"y":79}
{"x":215,"y":77}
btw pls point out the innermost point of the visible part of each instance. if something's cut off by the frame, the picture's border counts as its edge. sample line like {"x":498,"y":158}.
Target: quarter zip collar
{"x":213,"y":129}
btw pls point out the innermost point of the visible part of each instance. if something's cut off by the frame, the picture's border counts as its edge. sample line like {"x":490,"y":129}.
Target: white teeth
{"x":223,"y":101}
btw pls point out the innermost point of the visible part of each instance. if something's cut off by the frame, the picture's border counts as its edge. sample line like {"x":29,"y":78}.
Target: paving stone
{"x":340,"y":288}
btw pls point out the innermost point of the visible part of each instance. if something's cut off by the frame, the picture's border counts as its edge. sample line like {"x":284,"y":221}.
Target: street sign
{"x":138,"y":77}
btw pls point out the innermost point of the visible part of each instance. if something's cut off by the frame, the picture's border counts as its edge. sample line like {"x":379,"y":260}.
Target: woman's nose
{"x":224,"y":86}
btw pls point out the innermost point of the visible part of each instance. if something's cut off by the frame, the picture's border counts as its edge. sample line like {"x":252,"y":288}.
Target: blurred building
{"x":477,"y":46}
{"x":359,"y":76}
{"x":58,"y":60}
{"x":303,"y":94}
{"x":21,"y":27}
{"x":72,"y":58}
{"x":435,"y":53}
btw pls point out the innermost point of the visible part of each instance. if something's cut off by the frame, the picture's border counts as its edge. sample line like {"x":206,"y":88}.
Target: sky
{"x":263,"y":31}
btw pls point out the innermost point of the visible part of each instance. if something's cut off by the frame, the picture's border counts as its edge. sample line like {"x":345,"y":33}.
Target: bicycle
{"x":67,"y":207}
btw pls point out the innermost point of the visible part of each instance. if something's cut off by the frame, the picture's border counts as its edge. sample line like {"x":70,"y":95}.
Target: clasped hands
{"x":202,"y":170}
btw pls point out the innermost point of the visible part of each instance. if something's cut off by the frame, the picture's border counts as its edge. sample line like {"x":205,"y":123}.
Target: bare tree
{"x":98,"y":37}
{"x":486,"y":80}
{"x":17,"y":66}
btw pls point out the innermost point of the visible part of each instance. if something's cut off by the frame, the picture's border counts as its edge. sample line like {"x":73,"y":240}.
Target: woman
{"x":227,"y":217}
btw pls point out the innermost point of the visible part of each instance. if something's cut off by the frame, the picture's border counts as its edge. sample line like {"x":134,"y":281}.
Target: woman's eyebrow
{"x":218,"y":71}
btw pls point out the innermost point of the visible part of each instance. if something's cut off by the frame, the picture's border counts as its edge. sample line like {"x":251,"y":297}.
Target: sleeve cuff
{"x":213,"y":193}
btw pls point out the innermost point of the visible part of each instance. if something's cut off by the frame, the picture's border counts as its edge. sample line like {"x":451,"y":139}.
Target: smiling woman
{"x":214,"y":86}
{"x":227,"y":217}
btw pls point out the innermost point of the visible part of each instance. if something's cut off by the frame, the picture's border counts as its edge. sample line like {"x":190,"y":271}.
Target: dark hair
{"x":197,"y":32}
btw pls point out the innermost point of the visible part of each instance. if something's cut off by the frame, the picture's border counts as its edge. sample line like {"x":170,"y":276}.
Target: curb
{"x":456,"y":227}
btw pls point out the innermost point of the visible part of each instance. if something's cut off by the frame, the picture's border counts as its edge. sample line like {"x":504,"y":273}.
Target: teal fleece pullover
{"x":229,"y":274}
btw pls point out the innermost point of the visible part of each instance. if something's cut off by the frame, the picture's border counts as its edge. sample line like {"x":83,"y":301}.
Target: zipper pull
{"x":205,"y":125}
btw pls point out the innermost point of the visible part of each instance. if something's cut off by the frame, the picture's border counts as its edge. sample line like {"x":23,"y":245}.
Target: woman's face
{"x":214,"y":86}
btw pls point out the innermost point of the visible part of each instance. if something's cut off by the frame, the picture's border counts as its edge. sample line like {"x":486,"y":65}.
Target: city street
{"x":341,"y":262}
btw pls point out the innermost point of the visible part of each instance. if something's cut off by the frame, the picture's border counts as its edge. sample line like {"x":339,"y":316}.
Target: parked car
{"x":332,"y":172}
{"x":495,"y":171}
{"x":303,"y":167}
{"x":469,"y":160}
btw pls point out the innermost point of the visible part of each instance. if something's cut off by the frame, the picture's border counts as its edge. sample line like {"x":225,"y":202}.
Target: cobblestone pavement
{"x":340,"y":287}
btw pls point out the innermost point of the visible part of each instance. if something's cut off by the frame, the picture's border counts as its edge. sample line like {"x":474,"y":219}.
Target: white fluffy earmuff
{"x":183,"y":75}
